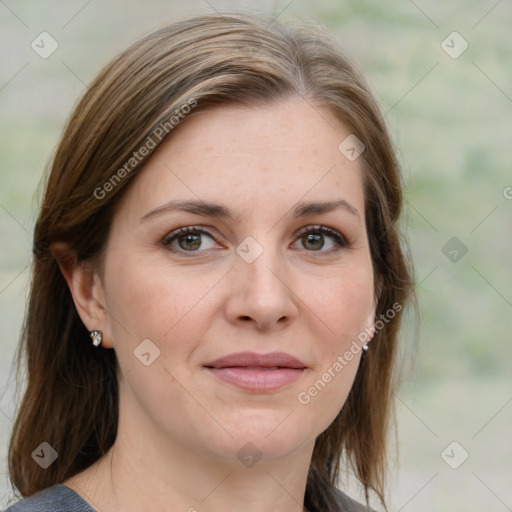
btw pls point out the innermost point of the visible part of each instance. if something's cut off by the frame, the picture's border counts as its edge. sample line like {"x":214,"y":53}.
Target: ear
{"x":86,"y":289}
{"x":370,"y":319}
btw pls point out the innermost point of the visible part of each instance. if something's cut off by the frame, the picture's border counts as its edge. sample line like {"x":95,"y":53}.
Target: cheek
{"x":342,"y":310}
{"x":152,"y":301}
{"x":343,"y":304}
{"x":170,"y":307}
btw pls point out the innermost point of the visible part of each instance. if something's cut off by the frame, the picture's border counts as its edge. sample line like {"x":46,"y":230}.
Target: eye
{"x":192,"y":239}
{"x":313,"y":239}
{"x":188,"y":239}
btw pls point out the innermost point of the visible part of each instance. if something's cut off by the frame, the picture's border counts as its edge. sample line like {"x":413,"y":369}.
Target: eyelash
{"x":338,"y":239}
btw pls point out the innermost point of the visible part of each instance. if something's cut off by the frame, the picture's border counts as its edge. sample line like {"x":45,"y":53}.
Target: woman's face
{"x":274,"y":259}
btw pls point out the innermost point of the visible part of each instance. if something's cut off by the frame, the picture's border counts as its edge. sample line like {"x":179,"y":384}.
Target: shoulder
{"x":53,"y":499}
{"x":347,"y":504}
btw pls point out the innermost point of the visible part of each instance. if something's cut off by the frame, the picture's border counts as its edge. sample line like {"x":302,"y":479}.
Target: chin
{"x":265,"y":434}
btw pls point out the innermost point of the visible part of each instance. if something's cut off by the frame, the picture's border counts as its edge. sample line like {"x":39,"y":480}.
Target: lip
{"x":252,"y":359}
{"x":258,"y":373}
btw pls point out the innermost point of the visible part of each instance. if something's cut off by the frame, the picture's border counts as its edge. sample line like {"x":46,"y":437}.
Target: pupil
{"x":194,"y":240}
{"x":315,"y":239}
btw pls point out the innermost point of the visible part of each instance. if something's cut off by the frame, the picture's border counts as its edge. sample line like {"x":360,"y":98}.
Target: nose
{"x":261,"y":294}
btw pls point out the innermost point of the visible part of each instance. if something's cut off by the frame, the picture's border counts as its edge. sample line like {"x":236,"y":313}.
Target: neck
{"x":143,"y":469}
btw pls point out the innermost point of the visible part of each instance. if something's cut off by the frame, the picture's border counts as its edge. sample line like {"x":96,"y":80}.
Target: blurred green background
{"x":450,"y":116}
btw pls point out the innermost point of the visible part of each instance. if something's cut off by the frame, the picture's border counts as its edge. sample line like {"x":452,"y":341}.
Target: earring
{"x":97,"y":337}
{"x":364,"y":346}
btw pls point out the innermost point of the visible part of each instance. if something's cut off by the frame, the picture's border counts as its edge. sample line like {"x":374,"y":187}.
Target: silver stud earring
{"x":97,"y":337}
{"x":365,"y":345}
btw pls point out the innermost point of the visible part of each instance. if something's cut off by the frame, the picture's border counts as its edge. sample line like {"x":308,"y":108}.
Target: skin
{"x":181,"y":427}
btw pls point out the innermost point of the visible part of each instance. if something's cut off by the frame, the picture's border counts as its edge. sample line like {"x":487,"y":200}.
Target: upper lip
{"x":252,"y":359}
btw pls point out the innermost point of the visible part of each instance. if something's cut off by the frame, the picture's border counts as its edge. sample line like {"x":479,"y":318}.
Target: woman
{"x":216,"y":248}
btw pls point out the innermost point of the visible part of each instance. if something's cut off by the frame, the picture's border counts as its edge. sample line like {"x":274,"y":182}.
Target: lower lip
{"x":258,"y":380}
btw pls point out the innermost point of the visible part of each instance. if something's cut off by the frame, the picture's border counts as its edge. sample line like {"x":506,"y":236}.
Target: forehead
{"x":267,"y":157}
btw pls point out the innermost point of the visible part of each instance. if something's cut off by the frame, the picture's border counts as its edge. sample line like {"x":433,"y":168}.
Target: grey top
{"x":56,"y":498}
{"x":60,"y":498}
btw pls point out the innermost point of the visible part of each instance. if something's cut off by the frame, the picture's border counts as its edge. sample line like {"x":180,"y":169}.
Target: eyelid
{"x":187,"y":229}
{"x":324,"y":230}
{"x":339,"y":239}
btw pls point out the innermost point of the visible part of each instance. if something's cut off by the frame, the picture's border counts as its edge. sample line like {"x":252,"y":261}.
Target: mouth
{"x":258,"y":373}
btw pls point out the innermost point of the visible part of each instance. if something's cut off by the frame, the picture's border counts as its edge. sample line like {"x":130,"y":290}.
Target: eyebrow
{"x":209,"y":209}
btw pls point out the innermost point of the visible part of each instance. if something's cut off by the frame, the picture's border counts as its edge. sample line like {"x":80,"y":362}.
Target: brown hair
{"x":71,"y":399}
